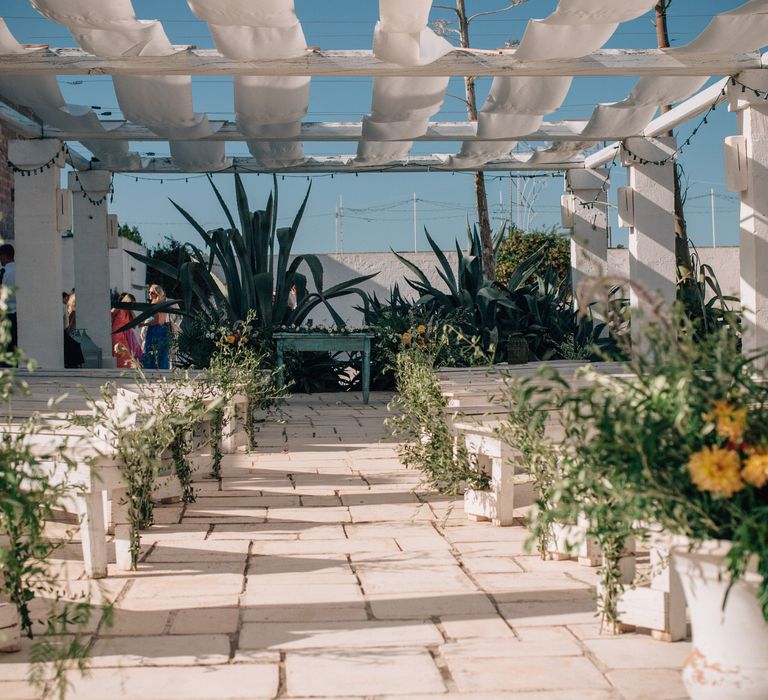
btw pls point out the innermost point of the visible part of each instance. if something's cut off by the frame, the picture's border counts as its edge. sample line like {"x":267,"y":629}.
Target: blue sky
{"x":378,"y":207}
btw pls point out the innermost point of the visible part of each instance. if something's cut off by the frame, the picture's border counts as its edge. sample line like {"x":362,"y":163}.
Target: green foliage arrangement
{"x":519,"y":245}
{"x":28,"y":496}
{"x":236,"y":368}
{"x":143,"y":429}
{"x":419,"y":419}
{"x":680,"y":441}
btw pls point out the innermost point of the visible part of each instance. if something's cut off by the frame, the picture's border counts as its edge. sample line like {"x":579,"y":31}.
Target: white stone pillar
{"x":38,"y":251}
{"x":752,"y":117}
{"x":589,"y":236}
{"x":652,"y":262}
{"x":91,"y":257}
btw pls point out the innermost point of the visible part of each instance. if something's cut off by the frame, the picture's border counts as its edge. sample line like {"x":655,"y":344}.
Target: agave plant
{"x":494,"y":310}
{"x":258,"y":273}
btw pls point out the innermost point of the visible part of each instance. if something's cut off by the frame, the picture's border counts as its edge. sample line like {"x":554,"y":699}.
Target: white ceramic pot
{"x":730,"y":643}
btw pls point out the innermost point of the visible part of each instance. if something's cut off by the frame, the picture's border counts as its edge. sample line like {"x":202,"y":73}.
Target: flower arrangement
{"x":679,"y":440}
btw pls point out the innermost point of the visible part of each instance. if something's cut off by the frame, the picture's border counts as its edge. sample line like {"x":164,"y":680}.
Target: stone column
{"x":652,"y":263}
{"x":91,"y":255}
{"x":38,"y":251}
{"x":589,"y":236}
{"x":752,"y":115}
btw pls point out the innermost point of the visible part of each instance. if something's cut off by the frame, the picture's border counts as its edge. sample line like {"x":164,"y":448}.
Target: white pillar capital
{"x":95,"y":183}
{"x":29,"y":155}
{"x":639,"y":150}
{"x":586,"y":179}
{"x":740,"y":97}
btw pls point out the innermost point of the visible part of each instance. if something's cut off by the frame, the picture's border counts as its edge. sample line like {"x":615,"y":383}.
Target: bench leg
{"x":93,"y":533}
{"x":503,"y":488}
{"x":228,"y":433}
{"x":366,"y":378}
{"x":122,"y":531}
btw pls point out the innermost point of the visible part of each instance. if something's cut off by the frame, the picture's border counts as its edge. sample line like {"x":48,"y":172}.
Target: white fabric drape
{"x":402,"y":36}
{"x":42,"y":95}
{"x":577,"y":28}
{"x":109,"y":28}
{"x":516,"y":106}
{"x":270,"y":105}
{"x":746,"y":27}
{"x":402,"y":107}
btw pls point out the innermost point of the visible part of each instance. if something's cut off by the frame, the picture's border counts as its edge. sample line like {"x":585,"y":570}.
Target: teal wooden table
{"x":326,"y":342}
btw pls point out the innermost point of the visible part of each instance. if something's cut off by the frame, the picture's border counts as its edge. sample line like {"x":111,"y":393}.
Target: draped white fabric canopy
{"x":269,"y":108}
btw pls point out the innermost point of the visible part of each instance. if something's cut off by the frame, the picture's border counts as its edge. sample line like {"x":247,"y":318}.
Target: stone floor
{"x":319,"y":568}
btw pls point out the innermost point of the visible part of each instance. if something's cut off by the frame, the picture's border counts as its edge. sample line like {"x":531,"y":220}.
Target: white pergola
{"x":261,"y":45}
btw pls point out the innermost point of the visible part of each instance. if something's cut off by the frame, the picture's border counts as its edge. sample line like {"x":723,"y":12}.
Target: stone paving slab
{"x":333,"y":674}
{"x":319,"y":567}
{"x":339,"y":635}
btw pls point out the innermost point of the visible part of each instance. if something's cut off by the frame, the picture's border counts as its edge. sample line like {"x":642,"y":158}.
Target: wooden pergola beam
{"x":343,"y":164}
{"x":459,"y":63}
{"x":326,"y":131}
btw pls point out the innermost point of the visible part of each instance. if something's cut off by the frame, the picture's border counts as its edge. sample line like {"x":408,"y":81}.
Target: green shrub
{"x":518,"y":246}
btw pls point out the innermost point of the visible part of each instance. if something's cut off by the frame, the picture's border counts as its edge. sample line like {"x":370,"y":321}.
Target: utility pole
{"x":415,"y":227}
{"x":340,"y":226}
{"x":714,"y":228}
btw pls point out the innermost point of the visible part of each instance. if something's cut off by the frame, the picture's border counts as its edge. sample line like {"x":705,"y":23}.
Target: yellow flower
{"x":422,"y":329}
{"x":406,"y":337}
{"x":729,"y":420}
{"x":716,"y":470}
{"x":244,"y":339}
{"x":230,"y":339}
{"x":755,"y":470}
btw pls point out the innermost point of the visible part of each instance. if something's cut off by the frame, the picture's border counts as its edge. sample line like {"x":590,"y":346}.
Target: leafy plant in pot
{"x":682,"y":442}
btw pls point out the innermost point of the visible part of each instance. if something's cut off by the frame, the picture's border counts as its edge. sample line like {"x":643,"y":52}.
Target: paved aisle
{"x":318,"y":569}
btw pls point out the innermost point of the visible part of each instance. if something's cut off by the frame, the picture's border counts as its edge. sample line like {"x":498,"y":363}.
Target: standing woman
{"x":125,"y":345}
{"x":157,"y":342}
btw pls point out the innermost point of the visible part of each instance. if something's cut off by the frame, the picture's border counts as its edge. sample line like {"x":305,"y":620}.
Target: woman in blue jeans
{"x":157,"y":342}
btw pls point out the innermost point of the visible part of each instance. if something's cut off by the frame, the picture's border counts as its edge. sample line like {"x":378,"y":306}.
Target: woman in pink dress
{"x":125,"y":345}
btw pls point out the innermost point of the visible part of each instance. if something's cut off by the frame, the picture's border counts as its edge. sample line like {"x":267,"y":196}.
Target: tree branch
{"x":511,"y":6}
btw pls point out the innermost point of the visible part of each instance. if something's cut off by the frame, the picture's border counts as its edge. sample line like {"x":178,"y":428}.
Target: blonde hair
{"x":157,"y":289}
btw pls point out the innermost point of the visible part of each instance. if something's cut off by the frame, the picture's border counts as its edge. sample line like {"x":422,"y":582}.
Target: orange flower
{"x":729,"y":420}
{"x":755,"y":470}
{"x":422,"y":329}
{"x":406,"y":337}
{"x":716,"y":470}
{"x":230,"y":339}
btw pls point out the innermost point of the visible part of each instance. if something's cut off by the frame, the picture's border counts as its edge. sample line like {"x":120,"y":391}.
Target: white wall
{"x":724,"y":261}
{"x":340,"y":267}
{"x":126,"y":274}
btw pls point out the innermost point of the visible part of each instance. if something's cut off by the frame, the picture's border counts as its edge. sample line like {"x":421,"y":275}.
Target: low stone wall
{"x":341,"y":267}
